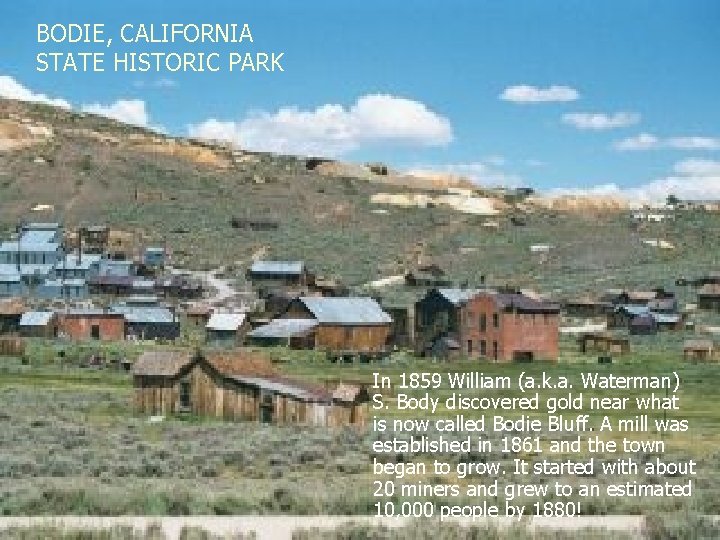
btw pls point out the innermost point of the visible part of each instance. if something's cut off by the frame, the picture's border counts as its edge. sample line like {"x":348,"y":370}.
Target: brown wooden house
{"x":241,"y":385}
{"x":10,"y":313}
{"x":437,"y":319}
{"x":698,"y":350}
{"x":708,"y":297}
{"x":346,"y":328}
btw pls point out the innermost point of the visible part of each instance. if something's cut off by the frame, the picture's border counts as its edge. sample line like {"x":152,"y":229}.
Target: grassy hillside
{"x":92,"y":168}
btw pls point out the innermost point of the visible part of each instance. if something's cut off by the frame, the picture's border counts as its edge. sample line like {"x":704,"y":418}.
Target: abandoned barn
{"x":239,"y":386}
{"x":347,"y":328}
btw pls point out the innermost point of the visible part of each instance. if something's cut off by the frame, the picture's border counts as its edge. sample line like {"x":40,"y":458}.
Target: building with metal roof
{"x":229,"y":322}
{"x":148,"y":323}
{"x":278,"y":267}
{"x":38,"y":324}
{"x":345,"y":311}
{"x":294,"y":333}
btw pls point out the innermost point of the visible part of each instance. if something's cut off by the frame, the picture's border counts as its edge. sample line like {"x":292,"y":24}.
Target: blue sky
{"x":642,"y":72}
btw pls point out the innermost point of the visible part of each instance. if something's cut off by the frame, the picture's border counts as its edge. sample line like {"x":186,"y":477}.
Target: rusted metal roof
{"x":162,"y":363}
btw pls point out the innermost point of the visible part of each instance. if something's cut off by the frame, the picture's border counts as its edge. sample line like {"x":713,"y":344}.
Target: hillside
{"x":87,"y":168}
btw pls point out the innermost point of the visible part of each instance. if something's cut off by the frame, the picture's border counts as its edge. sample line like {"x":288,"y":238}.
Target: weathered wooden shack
{"x":42,"y":324}
{"x":438,"y":315}
{"x":601,"y":342}
{"x":698,"y":350}
{"x":242,"y":386}
{"x":227,"y":329}
{"x":10,"y":313}
{"x":275,"y":274}
{"x":708,"y":297}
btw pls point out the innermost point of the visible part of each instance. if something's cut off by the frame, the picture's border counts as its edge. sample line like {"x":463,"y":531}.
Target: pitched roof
{"x":277,"y":267}
{"x":225,"y":321}
{"x":12,"y":307}
{"x":709,"y":289}
{"x":36,"y":318}
{"x":699,"y":344}
{"x":243,"y":362}
{"x":345,"y":311}
{"x":144,"y":315}
{"x":523,"y":302}
{"x":283,"y":328}
{"x":458,"y":296}
{"x":162,"y":363}
{"x":346,"y":392}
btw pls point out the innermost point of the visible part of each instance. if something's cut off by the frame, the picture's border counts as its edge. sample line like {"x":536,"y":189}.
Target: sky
{"x":613,"y":97}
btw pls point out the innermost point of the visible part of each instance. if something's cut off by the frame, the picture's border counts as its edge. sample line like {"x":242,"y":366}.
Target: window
{"x":483,"y":348}
{"x":185,"y":395}
{"x":483,"y":322}
{"x":495,"y":350}
{"x":469,"y":346}
{"x":95,"y":331}
{"x":496,"y":320}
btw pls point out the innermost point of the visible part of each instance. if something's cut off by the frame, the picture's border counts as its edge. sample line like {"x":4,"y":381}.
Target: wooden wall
{"x":337,"y":338}
{"x":213,"y":395}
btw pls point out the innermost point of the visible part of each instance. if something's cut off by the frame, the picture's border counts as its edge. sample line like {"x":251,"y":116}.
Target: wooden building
{"x":708,"y":297}
{"x":429,"y":275}
{"x":11,"y":311}
{"x":40,"y":324}
{"x":226,"y":328}
{"x":240,"y":386}
{"x":643,"y":325}
{"x":91,"y":324}
{"x":347,"y":328}
{"x":698,"y":350}
{"x":198,"y":315}
{"x":599,"y":342}
{"x":586,"y":308}
{"x":437,"y":316}
{"x":278,"y":274}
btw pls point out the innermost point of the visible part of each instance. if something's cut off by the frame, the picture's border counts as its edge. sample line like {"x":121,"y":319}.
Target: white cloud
{"x":600,"y":121}
{"x":690,"y":179}
{"x":643,"y":141}
{"x":647,"y":141}
{"x":524,"y":93}
{"x":11,"y":89}
{"x":333,"y":130}
{"x":693,"y":143}
{"x":486,"y":172}
{"x":129,"y":111}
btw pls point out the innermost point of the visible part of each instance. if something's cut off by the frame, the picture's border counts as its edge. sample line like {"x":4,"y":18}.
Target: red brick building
{"x":509,"y":327}
{"x":81,"y":325}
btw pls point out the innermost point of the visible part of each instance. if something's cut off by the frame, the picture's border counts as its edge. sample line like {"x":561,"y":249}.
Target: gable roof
{"x":458,"y":296}
{"x":144,"y":315}
{"x":225,"y":321}
{"x":162,"y":363}
{"x":36,"y":318}
{"x":522,"y":302}
{"x":277,"y":267}
{"x":699,"y":344}
{"x":241,"y":363}
{"x":345,"y":311}
{"x":283,"y":328}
